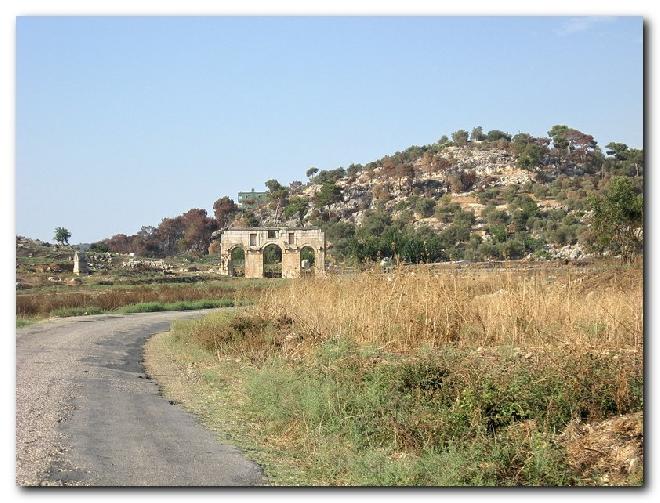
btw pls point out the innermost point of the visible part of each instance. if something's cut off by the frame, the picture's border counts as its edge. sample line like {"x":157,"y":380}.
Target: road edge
{"x":181,"y":384}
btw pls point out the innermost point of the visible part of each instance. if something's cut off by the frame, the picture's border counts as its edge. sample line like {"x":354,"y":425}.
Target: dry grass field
{"x":431,"y":377}
{"x":413,"y":308}
{"x":74,"y":301}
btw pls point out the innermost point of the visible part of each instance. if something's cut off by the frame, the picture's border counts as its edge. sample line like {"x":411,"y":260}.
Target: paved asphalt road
{"x":87,"y":415}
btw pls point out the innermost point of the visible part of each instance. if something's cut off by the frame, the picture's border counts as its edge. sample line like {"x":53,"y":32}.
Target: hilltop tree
{"x":572,"y":144}
{"x":528,"y":151}
{"x":580,"y":144}
{"x":62,"y":235}
{"x":617,"y":218}
{"x":630,"y":159}
{"x":225,"y":210}
{"x":354,"y":169}
{"x":330,"y":176}
{"x":311,"y":172}
{"x":521,"y":139}
{"x":460,"y":137}
{"x":295,"y":186}
{"x":558,"y":135}
{"x":496,"y":134}
{"x":478,"y":134}
{"x":273,"y":185}
{"x":618,"y":150}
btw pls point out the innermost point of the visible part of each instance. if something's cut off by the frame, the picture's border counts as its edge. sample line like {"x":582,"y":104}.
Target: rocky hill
{"x":459,"y":172}
{"x":478,"y":196}
{"x":503,"y":197}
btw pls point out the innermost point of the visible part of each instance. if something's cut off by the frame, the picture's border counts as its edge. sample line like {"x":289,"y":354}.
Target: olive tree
{"x":616,"y":220}
{"x":62,"y":235}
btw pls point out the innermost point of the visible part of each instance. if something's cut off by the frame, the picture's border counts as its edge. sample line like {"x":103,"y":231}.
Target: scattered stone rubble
{"x":567,"y":252}
{"x":137,"y":264}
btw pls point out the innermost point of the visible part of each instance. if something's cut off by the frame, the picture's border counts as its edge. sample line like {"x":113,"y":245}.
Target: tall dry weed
{"x":412,"y":308}
{"x":44,"y":303}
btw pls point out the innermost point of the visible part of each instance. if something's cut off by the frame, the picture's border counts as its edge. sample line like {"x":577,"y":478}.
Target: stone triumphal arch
{"x":255,"y":240}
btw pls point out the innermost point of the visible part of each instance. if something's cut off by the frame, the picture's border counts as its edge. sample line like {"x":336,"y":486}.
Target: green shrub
{"x":425,"y":206}
{"x":453,"y":417}
{"x":150,"y":307}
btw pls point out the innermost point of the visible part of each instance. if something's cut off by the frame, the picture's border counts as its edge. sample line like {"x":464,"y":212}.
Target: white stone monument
{"x":80,"y":264}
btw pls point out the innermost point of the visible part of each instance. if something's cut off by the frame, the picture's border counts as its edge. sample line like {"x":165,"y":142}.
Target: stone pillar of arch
{"x":291,"y":263}
{"x":319,"y":259}
{"x":254,"y":263}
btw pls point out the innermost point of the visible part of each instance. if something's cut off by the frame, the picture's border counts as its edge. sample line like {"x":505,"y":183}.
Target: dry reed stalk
{"x":409,"y":309}
{"x":44,"y":303}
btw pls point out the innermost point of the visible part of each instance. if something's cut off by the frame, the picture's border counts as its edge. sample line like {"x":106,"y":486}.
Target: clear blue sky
{"x":124,"y":121}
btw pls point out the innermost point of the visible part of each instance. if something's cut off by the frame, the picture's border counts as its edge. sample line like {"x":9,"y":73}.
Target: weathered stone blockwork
{"x":254,"y":240}
{"x":80,"y":264}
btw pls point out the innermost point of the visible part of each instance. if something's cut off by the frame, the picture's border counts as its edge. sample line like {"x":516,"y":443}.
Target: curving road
{"x":86,"y":413}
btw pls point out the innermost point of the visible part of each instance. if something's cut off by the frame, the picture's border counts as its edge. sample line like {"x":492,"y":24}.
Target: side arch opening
{"x":237,"y":262}
{"x":307,"y":261}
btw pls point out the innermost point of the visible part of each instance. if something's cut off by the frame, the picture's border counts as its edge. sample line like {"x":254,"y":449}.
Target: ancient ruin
{"x":302,"y":251}
{"x":80,"y":264}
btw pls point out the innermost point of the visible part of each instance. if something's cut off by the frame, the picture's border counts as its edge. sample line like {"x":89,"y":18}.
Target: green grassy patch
{"x":67,"y":300}
{"x":24,"y":322}
{"x":149,"y":307}
{"x":349,"y":415}
{"x":146,"y":307}
{"x":44,"y":302}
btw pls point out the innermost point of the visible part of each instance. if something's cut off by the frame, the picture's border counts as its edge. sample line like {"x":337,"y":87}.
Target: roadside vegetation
{"x":46,"y":286}
{"x":24,"y":322}
{"x":425,"y":377}
{"x":96,"y":299}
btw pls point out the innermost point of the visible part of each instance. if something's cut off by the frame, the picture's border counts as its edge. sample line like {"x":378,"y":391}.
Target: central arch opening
{"x":307,"y":261}
{"x":272,"y":261}
{"x":237,"y":262}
